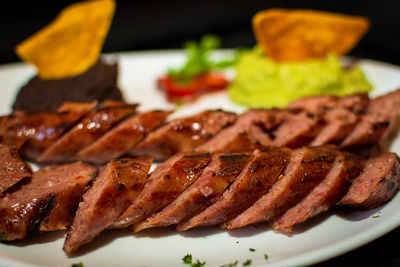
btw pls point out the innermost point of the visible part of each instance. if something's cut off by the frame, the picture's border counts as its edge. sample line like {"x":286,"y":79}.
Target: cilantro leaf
{"x":80,"y":264}
{"x":198,"y":59}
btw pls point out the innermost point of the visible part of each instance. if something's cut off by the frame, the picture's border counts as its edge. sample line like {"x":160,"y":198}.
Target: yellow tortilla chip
{"x":295,"y":35}
{"x":71,"y":43}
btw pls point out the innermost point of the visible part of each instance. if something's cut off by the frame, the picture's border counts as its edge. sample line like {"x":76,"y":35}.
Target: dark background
{"x":143,"y":25}
{"x":146,"y":25}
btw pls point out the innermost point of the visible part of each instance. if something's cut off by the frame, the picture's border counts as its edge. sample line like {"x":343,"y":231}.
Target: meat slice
{"x":47,"y":202}
{"x":122,"y":137}
{"x":379,"y":124}
{"x":254,"y":181}
{"x":297,"y":130}
{"x":377,"y":184}
{"x":88,"y":130}
{"x":115,"y":188}
{"x":205,"y":191}
{"x":313,"y":104}
{"x":19,"y":127}
{"x":345,"y":168}
{"x":183,"y":134}
{"x":164,"y":185}
{"x":47,"y":133}
{"x":13,"y":169}
{"x":248,"y":132}
{"x":340,"y":123}
{"x":307,"y":167}
{"x":318,"y":105}
{"x":357,"y":103}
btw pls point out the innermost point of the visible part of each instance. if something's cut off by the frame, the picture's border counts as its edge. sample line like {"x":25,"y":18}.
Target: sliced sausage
{"x":48,"y":133}
{"x":115,"y":188}
{"x":345,"y":168}
{"x":122,"y":137}
{"x":246,"y":133}
{"x":88,"y":130}
{"x":205,"y":191}
{"x":307,"y":167}
{"x":379,"y":122}
{"x":377,"y":184}
{"x":47,"y":202}
{"x":164,"y":185}
{"x":12,"y":168}
{"x":183,"y":134}
{"x":254,"y":181}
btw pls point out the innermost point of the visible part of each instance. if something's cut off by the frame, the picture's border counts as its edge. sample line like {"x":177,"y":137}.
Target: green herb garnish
{"x":187,"y":259}
{"x":230,"y":264}
{"x":376,"y":216}
{"x":252,"y":249}
{"x":266,"y":257}
{"x":198,"y":59}
{"x":247,"y":262}
{"x":80,"y":264}
{"x":198,"y":264}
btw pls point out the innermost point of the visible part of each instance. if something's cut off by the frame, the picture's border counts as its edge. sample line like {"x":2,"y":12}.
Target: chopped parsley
{"x":198,"y":264}
{"x":252,"y":249}
{"x":266,"y":257}
{"x":80,"y":264}
{"x":247,"y":262}
{"x":376,"y":216}
{"x":188,"y":260}
{"x":232,"y":264}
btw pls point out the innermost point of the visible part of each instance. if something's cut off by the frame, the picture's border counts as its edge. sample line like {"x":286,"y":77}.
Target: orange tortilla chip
{"x":71,"y":43}
{"x":295,"y":35}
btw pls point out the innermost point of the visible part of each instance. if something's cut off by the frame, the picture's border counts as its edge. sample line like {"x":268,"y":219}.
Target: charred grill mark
{"x":378,"y":125}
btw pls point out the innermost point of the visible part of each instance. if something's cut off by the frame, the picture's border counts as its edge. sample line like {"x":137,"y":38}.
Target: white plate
{"x":323,"y":237}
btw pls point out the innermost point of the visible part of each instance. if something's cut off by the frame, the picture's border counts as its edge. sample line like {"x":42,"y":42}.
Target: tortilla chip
{"x":297,"y":35}
{"x":70,"y":44}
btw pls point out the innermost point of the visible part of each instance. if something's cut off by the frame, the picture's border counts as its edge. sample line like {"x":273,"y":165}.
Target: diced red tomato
{"x":177,"y":91}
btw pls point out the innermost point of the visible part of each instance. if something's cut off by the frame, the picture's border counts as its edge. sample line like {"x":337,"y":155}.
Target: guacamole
{"x":262,"y":82}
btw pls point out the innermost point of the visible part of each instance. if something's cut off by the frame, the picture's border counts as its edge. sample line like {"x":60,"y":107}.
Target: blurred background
{"x":158,"y":24}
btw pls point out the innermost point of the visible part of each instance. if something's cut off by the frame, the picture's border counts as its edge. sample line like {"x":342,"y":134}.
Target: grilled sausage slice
{"x":48,"y":133}
{"x":88,"y":130}
{"x":245,"y":134}
{"x":47,"y":202}
{"x":183,"y":134}
{"x":122,"y":137}
{"x":297,"y":130}
{"x":164,"y":185}
{"x":205,"y":191}
{"x":307,"y":167}
{"x":115,"y":188}
{"x":377,"y":184}
{"x":345,"y":168}
{"x":12,"y":168}
{"x":44,"y":128}
{"x":339,"y":124}
{"x":254,"y":181}
{"x":379,"y":122}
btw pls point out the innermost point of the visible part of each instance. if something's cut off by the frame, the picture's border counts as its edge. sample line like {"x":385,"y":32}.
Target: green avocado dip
{"x":262,"y":82}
